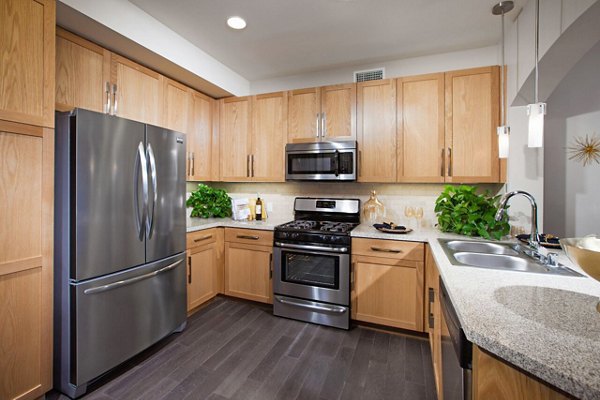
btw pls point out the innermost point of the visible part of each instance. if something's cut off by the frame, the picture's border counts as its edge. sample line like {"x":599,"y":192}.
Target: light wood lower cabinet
{"x":432,"y":317}
{"x":387,"y":289}
{"x":26,"y":248}
{"x":494,"y":379}
{"x":205,"y":266}
{"x":248,"y":264}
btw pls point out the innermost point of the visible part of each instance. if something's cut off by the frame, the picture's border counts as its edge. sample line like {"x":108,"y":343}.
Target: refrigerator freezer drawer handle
{"x":118,"y":284}
{"x":141,"y":165}
{"x":150,"y":220}
{"x":325,"y":308}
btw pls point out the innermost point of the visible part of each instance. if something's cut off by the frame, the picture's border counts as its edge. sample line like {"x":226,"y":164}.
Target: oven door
{"x":321,"y":165}
{"x":312,"y":274}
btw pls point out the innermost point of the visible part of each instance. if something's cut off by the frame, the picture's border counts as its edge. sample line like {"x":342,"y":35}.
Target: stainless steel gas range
{"x":311,"y":257}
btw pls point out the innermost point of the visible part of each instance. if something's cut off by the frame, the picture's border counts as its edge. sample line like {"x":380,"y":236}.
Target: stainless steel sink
{"x":498,"y":255}
{"x":481,"y":247}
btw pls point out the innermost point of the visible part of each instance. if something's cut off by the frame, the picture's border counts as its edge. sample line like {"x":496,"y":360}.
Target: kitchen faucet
{"x":534,"y":237}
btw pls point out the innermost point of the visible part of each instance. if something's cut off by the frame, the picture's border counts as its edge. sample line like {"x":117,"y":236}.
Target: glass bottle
{"x":373,"y":211}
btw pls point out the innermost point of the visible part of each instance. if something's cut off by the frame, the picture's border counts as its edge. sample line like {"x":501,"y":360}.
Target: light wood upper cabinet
{"x":201,"y":139}
{"x":304,"y":113}
{"x":252,"y":135}
{"x":325,"y":113}
{"x":139,"y":91}
{"x":27,"y":36}
{"x":472,"y":115}
{"x":269,"y":133}
{"x":421,"y":118}
{"x":376,"y":117}
{"x":82,"y":73}
{"x":177,"y":103}
{"x":388,"y":289}
{"x":235,"y":128}
{"x":338,"y":107}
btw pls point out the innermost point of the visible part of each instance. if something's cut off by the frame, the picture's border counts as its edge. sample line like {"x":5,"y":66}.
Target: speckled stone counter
{"x":547,"y":325}
{"x":198,"y":224}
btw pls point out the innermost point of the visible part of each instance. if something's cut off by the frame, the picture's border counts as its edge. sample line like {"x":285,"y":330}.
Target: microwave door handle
{"x":337,"y":163}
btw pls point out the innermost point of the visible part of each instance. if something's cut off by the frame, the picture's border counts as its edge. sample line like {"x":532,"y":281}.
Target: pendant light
{"x":503,"y":130}
{"x":537,"y":110}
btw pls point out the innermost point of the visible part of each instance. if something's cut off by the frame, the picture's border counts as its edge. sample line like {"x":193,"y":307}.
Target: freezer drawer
{"x":118,"y":316}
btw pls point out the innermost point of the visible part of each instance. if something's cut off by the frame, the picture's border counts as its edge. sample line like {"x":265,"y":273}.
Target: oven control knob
{"x":295,"y":235}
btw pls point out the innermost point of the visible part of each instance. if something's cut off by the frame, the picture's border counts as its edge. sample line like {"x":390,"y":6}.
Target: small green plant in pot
{"x":460,"y":209}
{"x":207,"y":202}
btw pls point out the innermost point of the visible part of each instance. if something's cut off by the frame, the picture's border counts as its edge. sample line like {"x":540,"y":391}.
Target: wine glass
{"x":409,"y":212}
{"x":419,"y":215}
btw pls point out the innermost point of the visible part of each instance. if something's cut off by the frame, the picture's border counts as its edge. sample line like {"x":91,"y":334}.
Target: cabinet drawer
{"x":200,"y":238}
{"x":413,"y":251}
{"x":249,"y":236}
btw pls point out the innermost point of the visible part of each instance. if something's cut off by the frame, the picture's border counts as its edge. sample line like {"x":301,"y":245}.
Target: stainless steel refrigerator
{"x":120,"y":271}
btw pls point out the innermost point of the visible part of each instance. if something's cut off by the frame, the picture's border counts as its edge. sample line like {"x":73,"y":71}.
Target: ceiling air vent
{"x":370,"y":75}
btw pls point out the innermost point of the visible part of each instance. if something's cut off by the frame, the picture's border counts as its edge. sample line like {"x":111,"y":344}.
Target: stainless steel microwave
{"x":321,"y":161}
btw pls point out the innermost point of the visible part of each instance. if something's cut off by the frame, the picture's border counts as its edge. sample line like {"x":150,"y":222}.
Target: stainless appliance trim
{"x":150,"y":221}
{"x":315,"y":315}
{"x":347,"y":206}
{"x":104,"y":288}
{"x":327,"y":145}
{"x":311,"y":305}
{"x":141,"y":165}
{"x":339,"y":296}
{"x":312,"y":247}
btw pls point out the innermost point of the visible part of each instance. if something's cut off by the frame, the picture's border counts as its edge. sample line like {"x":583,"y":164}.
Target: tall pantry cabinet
{"x":27,"y":45}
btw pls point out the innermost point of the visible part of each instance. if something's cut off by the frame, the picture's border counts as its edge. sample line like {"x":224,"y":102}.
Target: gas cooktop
{"x":318,"y":226}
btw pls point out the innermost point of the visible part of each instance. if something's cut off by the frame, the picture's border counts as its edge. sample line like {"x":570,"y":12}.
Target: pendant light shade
{"x":536,"y":114}
{"x":537,"y":110}
{"x":503,"y":131}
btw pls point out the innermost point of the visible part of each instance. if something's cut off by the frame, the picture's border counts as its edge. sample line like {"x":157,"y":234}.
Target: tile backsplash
{"x":279,"y":197}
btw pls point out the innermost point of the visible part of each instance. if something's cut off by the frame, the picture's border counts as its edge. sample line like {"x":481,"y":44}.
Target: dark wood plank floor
{"x":238,"y":350}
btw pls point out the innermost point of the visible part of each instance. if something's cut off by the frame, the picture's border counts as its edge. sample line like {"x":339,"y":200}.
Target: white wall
{"x":410,"y":66}
{"x":572,"y":191}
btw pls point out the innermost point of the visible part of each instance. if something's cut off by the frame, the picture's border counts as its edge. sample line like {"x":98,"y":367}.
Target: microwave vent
{"x":369,"y":75}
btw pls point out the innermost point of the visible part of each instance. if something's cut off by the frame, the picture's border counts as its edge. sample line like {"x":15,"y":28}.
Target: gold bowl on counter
{"x":584,"y":252}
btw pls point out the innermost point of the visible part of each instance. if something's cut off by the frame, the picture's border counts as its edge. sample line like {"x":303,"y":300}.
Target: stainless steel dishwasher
{"x":457,"y":353}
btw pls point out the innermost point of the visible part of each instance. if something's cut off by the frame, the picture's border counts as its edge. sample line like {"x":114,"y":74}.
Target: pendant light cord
{"x":502,"y":105}
{"x":537,"y":45}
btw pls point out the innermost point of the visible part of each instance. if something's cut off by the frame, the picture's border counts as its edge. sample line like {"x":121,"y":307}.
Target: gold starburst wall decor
{"x":586,"y":150}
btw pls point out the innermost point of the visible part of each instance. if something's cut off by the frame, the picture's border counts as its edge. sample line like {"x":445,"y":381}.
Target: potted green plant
{"x":460,"y":209}
{"x":207,"y":202}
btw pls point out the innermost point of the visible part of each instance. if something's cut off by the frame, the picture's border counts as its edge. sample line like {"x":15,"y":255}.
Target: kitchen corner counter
{"x":546,"y":325}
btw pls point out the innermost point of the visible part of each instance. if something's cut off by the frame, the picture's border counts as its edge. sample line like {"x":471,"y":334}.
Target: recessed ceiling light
{"x":236,"y":22}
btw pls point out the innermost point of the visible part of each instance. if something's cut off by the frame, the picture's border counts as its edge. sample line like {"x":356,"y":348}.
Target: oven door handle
{"x":313,"y":248}
{"x":309,"y":305}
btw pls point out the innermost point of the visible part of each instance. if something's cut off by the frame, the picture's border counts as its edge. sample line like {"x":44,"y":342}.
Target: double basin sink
{"x":499,"y":255}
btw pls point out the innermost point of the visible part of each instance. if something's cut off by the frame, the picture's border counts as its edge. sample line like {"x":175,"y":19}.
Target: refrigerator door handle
{"x":129,"y":281}
{"x":150,"y":220}
{"x":141,"y":165}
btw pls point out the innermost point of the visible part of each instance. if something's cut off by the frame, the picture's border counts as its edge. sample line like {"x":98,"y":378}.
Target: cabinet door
{"x":27,"y":36}
{"x":304,"y":111}
{"x":421,"y":128}
{"x":139,"y":91}
{"x":432,"y":317}
{"x":269,"y":134}
{"x":338,"y":104}
{"x":248,"y":271}
{"x":377,"y":131}
{"x":176,"y":106}
{"x":235,"y":128}
{"x":26,"y":217}
{"x":202,"y":275}
{"x":388,"y":292}
{"x":82,"y":73}
{"x":200,"y":138}
{"x":472,"y":116}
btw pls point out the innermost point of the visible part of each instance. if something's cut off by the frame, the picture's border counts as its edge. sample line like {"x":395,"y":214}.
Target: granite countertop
{"x":545,"y":324}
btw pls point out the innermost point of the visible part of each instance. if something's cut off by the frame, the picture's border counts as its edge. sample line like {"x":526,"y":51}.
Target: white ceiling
{"x":287,"y":37}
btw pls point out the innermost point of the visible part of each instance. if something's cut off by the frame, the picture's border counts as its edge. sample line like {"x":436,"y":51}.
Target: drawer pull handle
{"x":381,"y":249}
{"x":249,"y":237}
{"x":202,"y":238}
